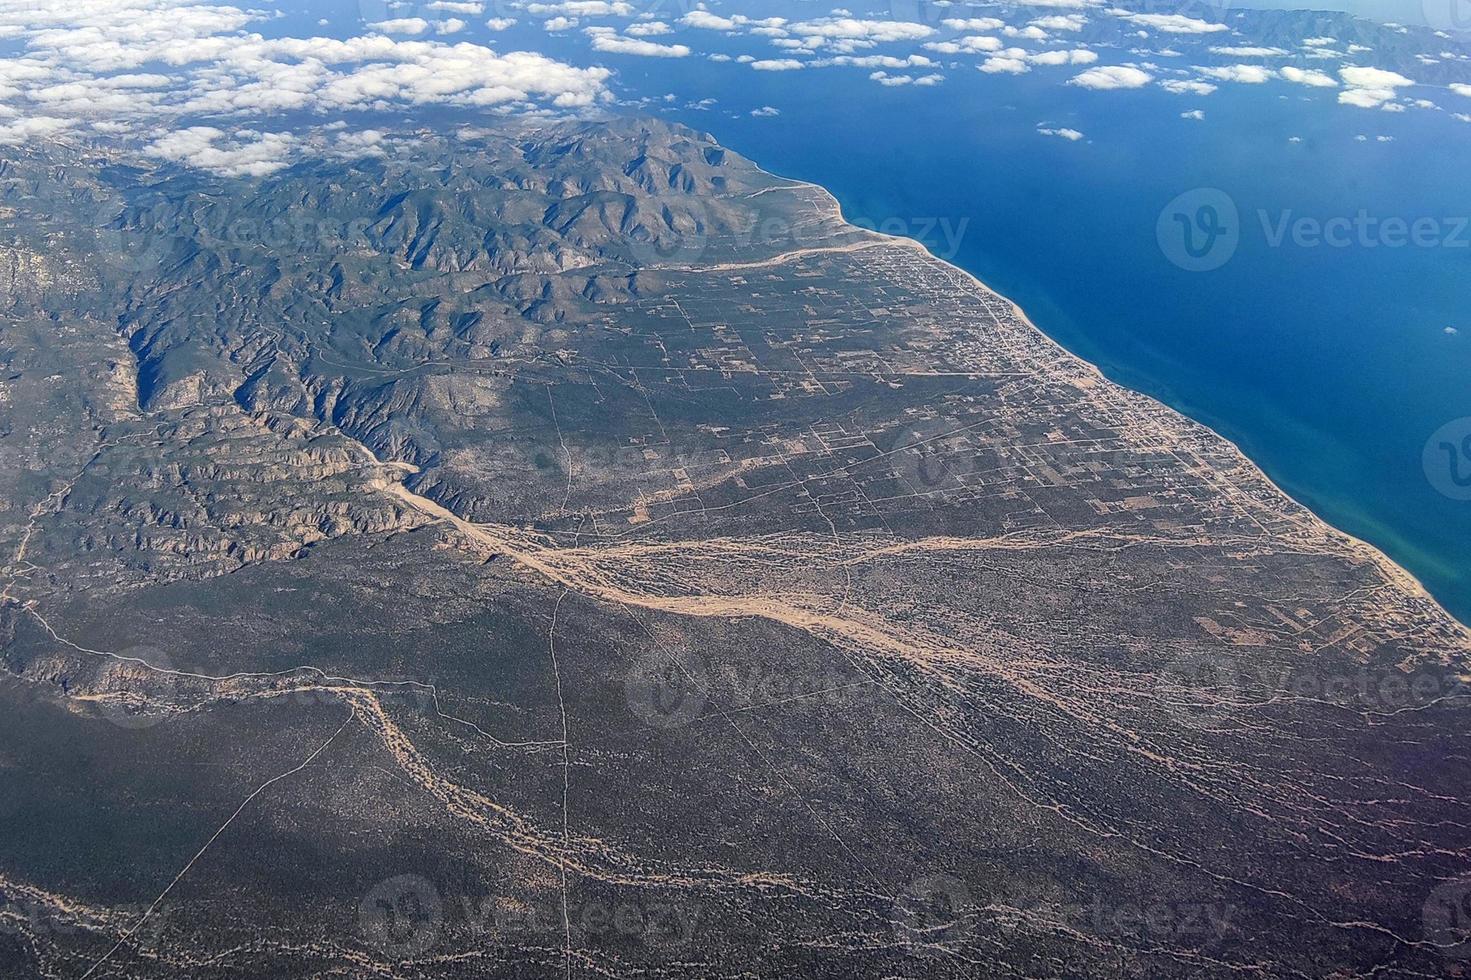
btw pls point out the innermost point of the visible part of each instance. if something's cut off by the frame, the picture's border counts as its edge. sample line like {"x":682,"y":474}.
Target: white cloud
{"x":1308,"y":76}
{"x":1171,"y":23}
{"x":1183,"y":86}
{"x":1196,"y":114}
{"x":871,"y":30}
{"x":367,"y":142}
{"x":1461,"y":88}
{"x":650,"y":28}
{"x":450,"y":25}
{"x":245,"y":154}
{"x":1372,"y":78}
{"x":973,"y":44}
{"x":613,"y":44}
{"x":973,"y":24}
{"x":1005,"y":65}
{"x":1365,"y":98}
{"x":877,"y":61}
{"x":456,"y":7}
{"x":778,"y":64}
{"x":1370,"y":88}
{"x":705,"y":20}
{"x":765,"y":111}
{"x":401,"y":25}
{"x":1075,"y":56}
{"x":582,"y":8}
{"x":554,"y":25}
{"x":1061,"y":22}
{"x":1245,"y":74}
{"x":1112,"y":77}
{"x":884,"y":78}
{"x":82,"y":58}
{"x":501,"y":23}
{"x":1061,"y":132}
{"x":1248,"y":52}
{"x":35,"y":127}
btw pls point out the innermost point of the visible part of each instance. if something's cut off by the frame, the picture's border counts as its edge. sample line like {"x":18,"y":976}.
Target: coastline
{"x":1354,"y":546}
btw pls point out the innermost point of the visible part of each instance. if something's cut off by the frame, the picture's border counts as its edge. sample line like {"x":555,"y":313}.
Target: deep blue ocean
{"x":1329,"y":366}
{"x":1333,"y":365}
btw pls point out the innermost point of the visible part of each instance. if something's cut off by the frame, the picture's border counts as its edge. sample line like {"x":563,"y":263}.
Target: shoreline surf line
{"x":1393,"y":571}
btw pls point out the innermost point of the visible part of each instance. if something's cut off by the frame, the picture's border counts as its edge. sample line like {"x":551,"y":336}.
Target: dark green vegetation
{"x":571,"y":551}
